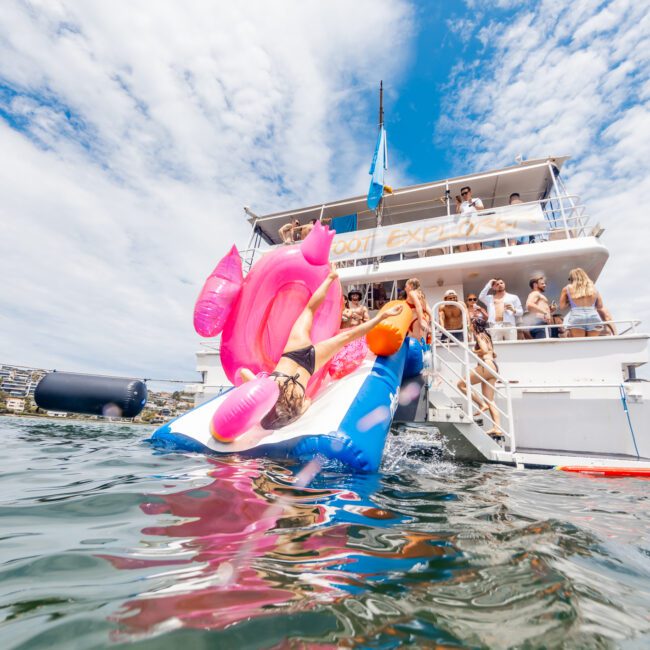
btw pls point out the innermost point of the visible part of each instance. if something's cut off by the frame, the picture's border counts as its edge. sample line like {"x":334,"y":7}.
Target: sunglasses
{"x":465,"y":193}
{"x":471,"y":300}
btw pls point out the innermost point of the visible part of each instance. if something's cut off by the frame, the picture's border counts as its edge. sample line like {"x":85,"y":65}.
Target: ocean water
{"x":106,"y":542}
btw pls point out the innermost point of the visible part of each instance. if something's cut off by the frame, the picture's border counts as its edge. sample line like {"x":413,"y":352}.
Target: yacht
{"x":573,"y":403}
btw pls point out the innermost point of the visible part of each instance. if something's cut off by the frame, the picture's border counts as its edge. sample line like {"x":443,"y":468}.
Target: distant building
{"x":15,"y":404}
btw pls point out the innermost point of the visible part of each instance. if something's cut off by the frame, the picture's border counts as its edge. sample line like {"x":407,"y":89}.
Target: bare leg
{"x":325,"y":350}
{"x":576,"y":333}
{"x":476,"y":397}
{"x":300,"y":334}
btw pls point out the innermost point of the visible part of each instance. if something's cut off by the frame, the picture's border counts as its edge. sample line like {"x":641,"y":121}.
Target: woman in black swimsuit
{"x":301,"y":358}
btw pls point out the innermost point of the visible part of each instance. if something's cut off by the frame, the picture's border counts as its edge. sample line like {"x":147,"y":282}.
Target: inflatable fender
{"x":275,"y":291}
{"x":219,"y":294}
{"x":348,"y":358}
{"x":414,"y":358}
{"x":387,"y":337}
{"x":244,"y":407}
{"x":90,"y":394}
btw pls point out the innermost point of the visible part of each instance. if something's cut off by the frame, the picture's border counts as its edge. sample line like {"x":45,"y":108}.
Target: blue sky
{"x":133,"y":134}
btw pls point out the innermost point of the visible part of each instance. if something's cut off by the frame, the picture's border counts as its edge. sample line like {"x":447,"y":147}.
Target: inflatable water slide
{"x":354,"y":397}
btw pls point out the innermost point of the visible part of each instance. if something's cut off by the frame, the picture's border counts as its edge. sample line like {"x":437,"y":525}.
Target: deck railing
{"x":630,"y":327}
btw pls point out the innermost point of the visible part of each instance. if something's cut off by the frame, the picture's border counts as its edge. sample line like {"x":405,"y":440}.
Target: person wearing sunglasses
{"x":466,"y":206}
{"x":474,"y":309}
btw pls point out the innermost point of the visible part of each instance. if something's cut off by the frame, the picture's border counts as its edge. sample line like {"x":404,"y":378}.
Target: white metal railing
{"x":466,"y":358}
{"x":630,"y":325}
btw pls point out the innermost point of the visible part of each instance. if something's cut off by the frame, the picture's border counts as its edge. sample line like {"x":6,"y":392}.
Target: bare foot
{"x":482,"y":409}
{"x":495,"y":433}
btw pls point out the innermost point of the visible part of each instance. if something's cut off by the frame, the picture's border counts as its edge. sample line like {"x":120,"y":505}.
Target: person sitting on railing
{"x":307,"y":228}
{"x":451,"y":317}
{"x":587,"y":312}
{"x":290,"y":232}
{"x":417,"y":301}
{"x":466,"y":207}
{"x":485,"y":376}
{"x":503,"y":310}
{"x":539,"y":309}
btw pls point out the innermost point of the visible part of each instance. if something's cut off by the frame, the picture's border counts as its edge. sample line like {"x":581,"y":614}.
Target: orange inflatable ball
{"x":387,"y":337}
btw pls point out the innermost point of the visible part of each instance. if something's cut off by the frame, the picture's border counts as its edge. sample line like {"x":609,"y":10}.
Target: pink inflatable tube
{"x":244,"y":407}
{"x":273,"y":294}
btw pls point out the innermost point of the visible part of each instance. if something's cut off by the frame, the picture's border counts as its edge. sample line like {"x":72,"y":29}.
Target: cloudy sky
{"x":131,"y":135}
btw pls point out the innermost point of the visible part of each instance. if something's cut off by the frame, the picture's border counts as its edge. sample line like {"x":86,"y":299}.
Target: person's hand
{"x":509,"y":307}
{"x":424,"y":326}
{"x":333,"y":274}
{"x":393,"y":311}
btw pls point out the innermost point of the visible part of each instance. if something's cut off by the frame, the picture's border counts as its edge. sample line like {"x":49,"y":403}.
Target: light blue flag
{"x":377,"y":168}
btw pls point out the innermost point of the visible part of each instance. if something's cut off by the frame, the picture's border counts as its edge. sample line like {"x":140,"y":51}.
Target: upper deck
{"x":417,"y":230}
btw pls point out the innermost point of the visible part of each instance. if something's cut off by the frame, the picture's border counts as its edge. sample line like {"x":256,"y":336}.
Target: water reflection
{"x":254,"y":543}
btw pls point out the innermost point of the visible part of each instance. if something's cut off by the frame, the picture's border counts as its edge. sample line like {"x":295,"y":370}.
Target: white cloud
{"x":570,"y":78}
{"x":132,"y":137}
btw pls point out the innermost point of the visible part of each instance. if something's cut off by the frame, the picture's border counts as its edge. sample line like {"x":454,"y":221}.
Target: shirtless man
{"x":450,"y":317}
{"x":290,"y":232}
{"x":306,"y":229}
{"x":503,"y":309}
{"x":538,"y":306}
{"x":356,"y":313}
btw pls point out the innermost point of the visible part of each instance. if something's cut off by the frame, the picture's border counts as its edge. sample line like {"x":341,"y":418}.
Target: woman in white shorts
{"x":587,"y":310}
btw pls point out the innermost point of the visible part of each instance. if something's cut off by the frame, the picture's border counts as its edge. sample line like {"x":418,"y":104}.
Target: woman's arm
{"x":564,"y":300}
{"x":605,"y":314}
{"x":483,"y":344}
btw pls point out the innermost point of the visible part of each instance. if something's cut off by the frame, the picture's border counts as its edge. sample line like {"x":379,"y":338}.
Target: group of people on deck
{"x":499,"y":318}
{"x":508,"y":321}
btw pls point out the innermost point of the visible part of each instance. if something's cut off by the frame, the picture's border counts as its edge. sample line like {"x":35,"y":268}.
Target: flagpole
{"x":380,"y":206}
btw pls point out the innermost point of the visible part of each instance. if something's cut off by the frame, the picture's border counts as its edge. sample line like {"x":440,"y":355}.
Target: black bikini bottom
{"x":304,"y":357}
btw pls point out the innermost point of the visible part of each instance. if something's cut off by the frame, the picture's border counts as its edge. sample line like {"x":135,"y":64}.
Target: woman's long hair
{"x":480,"y":326}
{"x":581,"y":284}
{"x":287,"y":409}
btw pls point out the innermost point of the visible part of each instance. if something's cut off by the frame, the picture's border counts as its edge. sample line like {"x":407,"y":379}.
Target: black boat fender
{"x":91,"y":394}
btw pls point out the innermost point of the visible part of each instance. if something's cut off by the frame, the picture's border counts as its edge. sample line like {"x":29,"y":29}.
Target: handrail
{"x":466,"y":371}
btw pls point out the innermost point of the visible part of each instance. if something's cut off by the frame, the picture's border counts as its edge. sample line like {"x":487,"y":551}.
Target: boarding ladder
{"x":451,"y":409}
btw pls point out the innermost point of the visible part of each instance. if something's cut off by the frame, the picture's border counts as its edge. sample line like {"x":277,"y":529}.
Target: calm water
{"x":104,"y":541}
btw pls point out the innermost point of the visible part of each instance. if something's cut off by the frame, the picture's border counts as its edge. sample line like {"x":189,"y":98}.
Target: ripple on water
{"x":103,"y":540}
